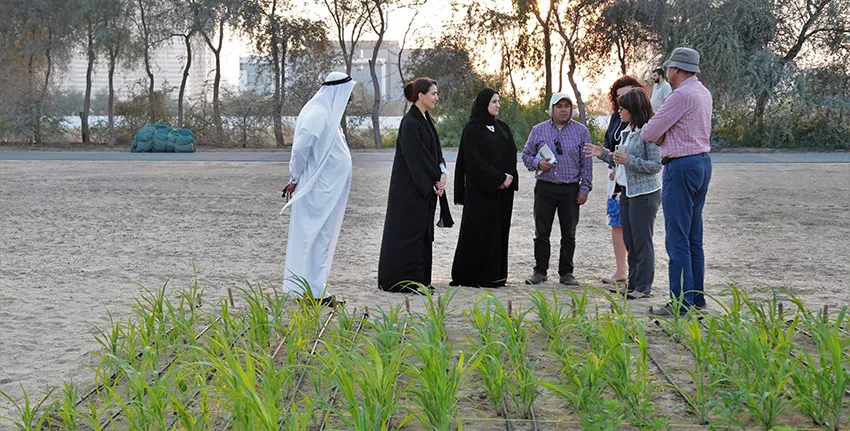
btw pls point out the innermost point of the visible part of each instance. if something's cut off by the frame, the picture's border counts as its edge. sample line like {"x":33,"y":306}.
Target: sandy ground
{"x":78,"y":239}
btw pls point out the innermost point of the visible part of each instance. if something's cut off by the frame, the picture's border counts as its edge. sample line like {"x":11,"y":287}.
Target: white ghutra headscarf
{"x":321,"y":117}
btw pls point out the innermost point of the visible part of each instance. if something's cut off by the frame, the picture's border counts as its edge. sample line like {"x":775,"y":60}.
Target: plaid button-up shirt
{"x":571,"y":166}
{"x":684,"y":121}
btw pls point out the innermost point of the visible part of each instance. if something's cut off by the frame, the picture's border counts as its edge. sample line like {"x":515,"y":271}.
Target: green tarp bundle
{"x":182,"y":140}
{"x":161,"y":138}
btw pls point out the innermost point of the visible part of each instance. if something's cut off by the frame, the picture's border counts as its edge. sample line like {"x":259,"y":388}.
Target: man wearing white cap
{"x":564,"y":179}
{"x":320,"y":179}
{"x":682,"y":127}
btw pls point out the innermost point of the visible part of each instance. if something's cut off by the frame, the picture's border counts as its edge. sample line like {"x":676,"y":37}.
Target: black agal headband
{"x":338,"y":81}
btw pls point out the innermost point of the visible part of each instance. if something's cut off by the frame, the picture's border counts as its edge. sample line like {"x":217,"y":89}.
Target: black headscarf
{"x":480,"y":114}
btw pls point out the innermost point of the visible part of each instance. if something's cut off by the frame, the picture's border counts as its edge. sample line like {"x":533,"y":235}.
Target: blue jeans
{"x":685,"y":185}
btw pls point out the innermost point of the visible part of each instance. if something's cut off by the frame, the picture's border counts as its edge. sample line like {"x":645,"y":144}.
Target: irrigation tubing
{"x":118,"y":413}
{"x":332,"y":400}
{"x":312,"y":352}
{"x":112,"y":378}
{"x":664,"y":372}
{"x":508,"y":425}
{"x":533,"y":418}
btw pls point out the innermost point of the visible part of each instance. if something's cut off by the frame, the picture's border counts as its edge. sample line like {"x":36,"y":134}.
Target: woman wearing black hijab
{"x":485,"y":181}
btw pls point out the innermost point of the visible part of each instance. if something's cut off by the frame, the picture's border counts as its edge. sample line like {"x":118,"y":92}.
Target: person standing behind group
{"x":485,"y":181}
{"x":637,"y":170}
{"x":563,"y":183}
{"x":613,"y":133}
{"x":320,"y":179}
{"x":660,"y":89}
{"x":418,"y":179}
{"x":682,"y":127}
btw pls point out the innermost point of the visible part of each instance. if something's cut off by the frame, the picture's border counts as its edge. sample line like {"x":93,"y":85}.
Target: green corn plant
{"x":763,"y":368}
{"x":628,"y":373}
{"x":145,"y":400}
{"x":67,"y":407}
{"x":366,"y":379}
{"x":92,"y":417}
{"x":150,"y":313}
{"x":388,"y":326}
{"x":438,"y":376}
{"x":551,"y":314}
{"x":523,"y":387}
{"x":259,"y":323}
{"x":482,"y":317}
{"x":110,"y":341}
{"x":583,"y":375}
{"x":30,"y":417}
{"x":710,"y":371}
{"x":820,"y":386}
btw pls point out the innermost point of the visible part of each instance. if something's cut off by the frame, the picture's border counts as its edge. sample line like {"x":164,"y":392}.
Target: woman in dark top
{"x":613,"y":138}
{"x":485,"y":181}
{"x":418,"y":180}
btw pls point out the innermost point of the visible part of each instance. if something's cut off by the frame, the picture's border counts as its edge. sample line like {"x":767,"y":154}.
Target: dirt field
{"x":77,"y":239}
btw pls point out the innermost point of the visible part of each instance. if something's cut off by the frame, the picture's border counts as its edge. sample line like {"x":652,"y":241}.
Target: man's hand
{"x":289,"y":188}
{"x":508,"y":180}
{"x":544,"y":165}
{"x":582,"y":198}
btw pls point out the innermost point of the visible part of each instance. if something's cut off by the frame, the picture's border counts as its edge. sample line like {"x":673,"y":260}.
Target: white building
{"x":255,"y":77}
{"x":168,"y":61}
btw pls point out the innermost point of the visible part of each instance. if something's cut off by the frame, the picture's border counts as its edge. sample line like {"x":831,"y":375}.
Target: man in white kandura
{"x":320,"y":170}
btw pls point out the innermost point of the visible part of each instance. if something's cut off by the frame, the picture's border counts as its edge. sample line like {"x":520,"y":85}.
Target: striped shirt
{"x":683,"y":124}
{"x":571,"y":165}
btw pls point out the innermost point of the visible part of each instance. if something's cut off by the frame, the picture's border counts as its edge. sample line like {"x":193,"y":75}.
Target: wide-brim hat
{"x":683,"y":58}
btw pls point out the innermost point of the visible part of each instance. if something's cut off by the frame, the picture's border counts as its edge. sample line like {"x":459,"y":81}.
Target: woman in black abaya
{"x":418,"y":180}
{"x":485,"y":181}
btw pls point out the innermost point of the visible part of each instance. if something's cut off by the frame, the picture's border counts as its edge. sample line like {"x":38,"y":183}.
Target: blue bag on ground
{"x":160,"y":138}
{"x":143,"y":141}
{"x":183,"y":140}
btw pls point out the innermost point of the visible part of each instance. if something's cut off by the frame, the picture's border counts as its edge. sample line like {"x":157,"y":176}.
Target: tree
{"x":571,"y":19}
{"x":248,"y":109}
{"x":378,"y":22}
{"x":149,"y":19}
{"x":352,"y":17}
{"x":186,"y":25}
{"x":544,"y":20}
{"x":275,"y":37}
{"x":35,"y":40}
{"x":116,"y":34}
{"x":216,"y":15}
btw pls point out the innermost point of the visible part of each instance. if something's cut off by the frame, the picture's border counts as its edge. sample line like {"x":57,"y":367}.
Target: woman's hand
{"x":592,"y":150}
{"x":289,"y":189}
{"x":508,"y":180}
{"x":441,"y":185}
{"x":621,"y":158}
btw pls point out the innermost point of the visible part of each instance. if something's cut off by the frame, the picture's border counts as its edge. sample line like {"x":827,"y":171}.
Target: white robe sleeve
{"x":301,"y":150}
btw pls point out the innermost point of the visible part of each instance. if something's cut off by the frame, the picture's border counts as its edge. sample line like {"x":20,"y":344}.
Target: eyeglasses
{"x":558,"y":147}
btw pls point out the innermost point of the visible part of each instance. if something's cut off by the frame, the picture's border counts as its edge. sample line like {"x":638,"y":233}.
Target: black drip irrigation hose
{"x":508,"y":425}
{"x":111,"y":378}
{"x":118,"y":413}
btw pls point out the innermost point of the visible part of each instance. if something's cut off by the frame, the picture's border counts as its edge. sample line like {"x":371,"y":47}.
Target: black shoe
{"x":330,"y":301}
{"x":569,"y":280}
{"x":536,"y":278}
{"x":637,"y":295}
{"x":668,"y":311}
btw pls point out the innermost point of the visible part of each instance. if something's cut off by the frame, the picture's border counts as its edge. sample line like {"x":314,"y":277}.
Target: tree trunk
{"x":219,"y":131}
{"x":561,"y":69}
{"x":582,"y":114}
{"x":110,"y":109}
{"x":147,"y":54}
{"x":761,"y":105}
{"x":84,"y":116}
{"x":182,"y":94}
{"x":44,"y":89}
{"x":278,"y":66}
{"x":547,"y":57}
{"x":373,"y":63}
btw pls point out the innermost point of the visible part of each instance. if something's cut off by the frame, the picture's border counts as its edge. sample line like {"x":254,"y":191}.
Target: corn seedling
{"x":628,"y":374}
{"x":822,"y":382}
{"x":551,"y":314}
{"x":492,"y":371}
{"x":522,"y":384}
{"x":583,"y":374}
{"x":710,"y":369}
{"x":31,"y":417}
{"x":438,"y":376}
